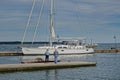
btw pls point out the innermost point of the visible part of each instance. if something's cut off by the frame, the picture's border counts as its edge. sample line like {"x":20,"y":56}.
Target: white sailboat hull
{"x":62,"y":51}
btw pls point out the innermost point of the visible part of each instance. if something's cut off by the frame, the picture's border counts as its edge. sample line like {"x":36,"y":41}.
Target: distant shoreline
{"x":18,"y":42}
{"x":42,"y":42}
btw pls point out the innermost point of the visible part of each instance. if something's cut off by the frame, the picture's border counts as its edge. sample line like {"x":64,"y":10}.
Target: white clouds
{"x":101,"y":15}
{"x":79,"y":16}
{"x":17,"y":1}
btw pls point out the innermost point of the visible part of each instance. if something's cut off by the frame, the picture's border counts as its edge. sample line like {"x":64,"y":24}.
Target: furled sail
{"x":52,"y":31}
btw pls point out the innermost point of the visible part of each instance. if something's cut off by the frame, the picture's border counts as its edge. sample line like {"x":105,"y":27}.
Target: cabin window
{"x":65,"y":47}
{"x":59,"y":47}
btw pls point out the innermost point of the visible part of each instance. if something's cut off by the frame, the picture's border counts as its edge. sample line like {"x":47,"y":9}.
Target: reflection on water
{"x":51,"y":75}
{"x":82,"y":57}
{"x":68,"y":58}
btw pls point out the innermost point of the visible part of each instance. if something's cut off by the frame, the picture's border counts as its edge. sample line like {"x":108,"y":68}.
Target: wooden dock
{"x":43,"y":66}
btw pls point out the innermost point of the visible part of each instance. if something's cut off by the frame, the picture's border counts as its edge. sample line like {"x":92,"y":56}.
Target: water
{"x":108,"y":45}
{"x":107,"y":68}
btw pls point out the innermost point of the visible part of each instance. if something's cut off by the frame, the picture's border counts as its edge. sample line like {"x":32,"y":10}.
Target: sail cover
{"x":52,"y":31}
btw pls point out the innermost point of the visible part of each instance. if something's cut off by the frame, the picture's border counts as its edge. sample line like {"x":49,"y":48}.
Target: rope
{"x":38,"y":21}
{"x":28,"y":22}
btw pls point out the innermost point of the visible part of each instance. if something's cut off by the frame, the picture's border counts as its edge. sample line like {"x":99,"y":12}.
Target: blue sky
{"x":98,"y":20}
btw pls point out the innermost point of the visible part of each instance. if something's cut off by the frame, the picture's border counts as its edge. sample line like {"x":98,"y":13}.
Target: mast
{"x":52,"y":33}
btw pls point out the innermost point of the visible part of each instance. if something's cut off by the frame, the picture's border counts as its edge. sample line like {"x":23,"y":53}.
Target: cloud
{"x":100,"y":17}
{"x":91,"y":18}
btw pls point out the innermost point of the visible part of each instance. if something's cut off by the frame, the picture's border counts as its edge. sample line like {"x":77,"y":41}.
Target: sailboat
{"x":71,"y":46}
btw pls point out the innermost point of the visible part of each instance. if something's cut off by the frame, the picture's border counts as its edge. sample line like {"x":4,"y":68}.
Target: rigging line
{"x":28,"y":22}
{"x":38,"y":21}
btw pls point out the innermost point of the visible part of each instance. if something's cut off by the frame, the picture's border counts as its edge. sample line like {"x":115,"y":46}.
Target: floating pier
{"x":43,"y":66}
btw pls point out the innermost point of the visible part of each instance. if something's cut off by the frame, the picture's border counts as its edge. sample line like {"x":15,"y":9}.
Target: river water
{"x":107,"y":68}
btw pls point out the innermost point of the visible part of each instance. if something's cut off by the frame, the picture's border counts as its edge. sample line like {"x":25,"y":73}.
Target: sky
{"x":96,"y":20}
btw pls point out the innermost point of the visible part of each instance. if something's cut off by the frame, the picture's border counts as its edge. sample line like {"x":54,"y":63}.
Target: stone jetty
{"x":43,"y":66}
{"x":96,"y":51}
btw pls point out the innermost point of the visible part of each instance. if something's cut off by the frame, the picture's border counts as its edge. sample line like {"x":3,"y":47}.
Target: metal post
{"x":115,"y":41}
